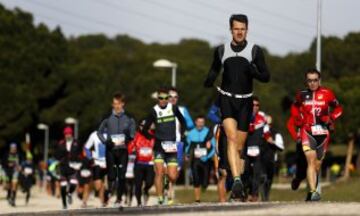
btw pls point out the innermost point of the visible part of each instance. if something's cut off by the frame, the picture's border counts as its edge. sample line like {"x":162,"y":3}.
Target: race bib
{"x":75,"y":165}
{"x":317,"y":130}
{"x":118,"y":139}
{"x":28,"y":171}
{"x":85,"y":173}
{"x":169,"y":146}
{"x":101,"y":163}
{"x":200,"y":152}
{"x":253,"y":151}
{"x":145,"y":151}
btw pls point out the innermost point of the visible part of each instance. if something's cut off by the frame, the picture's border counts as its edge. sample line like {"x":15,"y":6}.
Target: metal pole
{"x":318,"y":42}
{"x":173,"y":77}
{"x":76,"y":129}
{"x":46,"y":148}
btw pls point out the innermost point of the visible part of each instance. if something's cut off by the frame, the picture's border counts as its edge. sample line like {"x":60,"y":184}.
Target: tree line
{"x":46,"y":77}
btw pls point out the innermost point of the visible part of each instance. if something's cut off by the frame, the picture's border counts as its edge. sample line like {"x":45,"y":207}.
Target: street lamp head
{"x":71,"y":120}
{"x":164,"y":63}
{"x":42,"y":126}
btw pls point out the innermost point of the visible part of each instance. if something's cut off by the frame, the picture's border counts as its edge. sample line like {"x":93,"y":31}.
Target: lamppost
{"x":45,"y":128}
{"x":164,"y":63}
{"x":75,"y":122}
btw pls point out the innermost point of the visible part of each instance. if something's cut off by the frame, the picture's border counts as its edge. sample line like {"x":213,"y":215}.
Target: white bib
{"x":85,"y":173}
{"x":75,"y":165}
{"x":28,"y":171}
{"x":100,"y":163}
{"x":118,"y":139}
{"x":145,"y":151}
{"x":317,"y":130}
{"x":169,"y":146}
{"x":253,"y":151}
{"x":200,"y":152}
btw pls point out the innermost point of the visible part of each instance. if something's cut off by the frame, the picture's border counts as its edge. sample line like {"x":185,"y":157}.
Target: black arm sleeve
{"x":101,"y":131}
{"x":181,"y":119}
{"x":215,"y":67}
{"x":259,"y":69}
{"x":148,"y":121}
{"x":132,"y":128}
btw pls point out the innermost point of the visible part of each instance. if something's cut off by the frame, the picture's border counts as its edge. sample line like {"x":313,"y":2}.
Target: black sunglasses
{"x":312,"y":80}
{"x":163,"y":98}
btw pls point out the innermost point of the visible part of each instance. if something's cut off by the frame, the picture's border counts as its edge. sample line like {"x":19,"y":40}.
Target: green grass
{"x":348,"y":191}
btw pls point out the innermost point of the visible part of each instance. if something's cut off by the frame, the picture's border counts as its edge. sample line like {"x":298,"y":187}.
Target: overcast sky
{"x":282,"y":26}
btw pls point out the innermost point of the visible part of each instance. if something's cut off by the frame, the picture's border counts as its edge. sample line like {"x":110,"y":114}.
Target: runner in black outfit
{"x":241,"y":61}
{"x":164,"y":116}
{"x":68,"y":151}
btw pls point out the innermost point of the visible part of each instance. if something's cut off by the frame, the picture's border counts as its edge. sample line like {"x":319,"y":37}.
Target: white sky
{"x":282,"y":26}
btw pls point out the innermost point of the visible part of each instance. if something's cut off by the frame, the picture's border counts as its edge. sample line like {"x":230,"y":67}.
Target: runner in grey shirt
{"x":120,"y":129}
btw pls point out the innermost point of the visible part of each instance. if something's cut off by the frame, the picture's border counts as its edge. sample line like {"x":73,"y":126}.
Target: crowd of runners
{"x":235,"y":141}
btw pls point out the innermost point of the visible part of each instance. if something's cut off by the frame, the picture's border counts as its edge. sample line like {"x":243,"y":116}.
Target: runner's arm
{"x":214,"y":69}
{"x":148,"y":121}
{"x":101,"y":131}
{"x":213,"y":114}
{"x":181,"y":119}
{"x":131,"y":145}
{"x":188,"y":120}
{"x":259,"y":69}
{"x":132,"y":129}
{"x":188,"y":143}
{"x":212,"y":149}
{"x":89,"y":145}
{"x":337,"y":108}
{"x":290,"y":125}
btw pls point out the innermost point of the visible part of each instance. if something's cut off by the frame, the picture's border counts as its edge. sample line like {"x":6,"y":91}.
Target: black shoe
{"x":238,"y":191}
{"x":295,"y":183}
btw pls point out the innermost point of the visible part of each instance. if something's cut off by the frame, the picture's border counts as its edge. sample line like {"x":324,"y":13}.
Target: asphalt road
{"x":216,"y":209}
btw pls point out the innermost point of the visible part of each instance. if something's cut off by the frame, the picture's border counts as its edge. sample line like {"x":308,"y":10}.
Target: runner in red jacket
{"x":144,"y":165}
{"x":317,"y":109}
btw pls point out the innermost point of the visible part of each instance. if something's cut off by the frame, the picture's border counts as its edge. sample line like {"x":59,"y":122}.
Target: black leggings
{"x":301,"y":163}
{"x":200,"y":173}
{"x":143,"y":173}
{"x":117,"y":169}
{"x":252,"y":174}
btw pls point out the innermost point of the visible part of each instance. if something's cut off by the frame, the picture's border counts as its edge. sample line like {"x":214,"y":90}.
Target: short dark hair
{"x":199,"y":117}
{"x":256,"y":98}
{"x":312,"y":71}
{"x":162,"y":90}
{"x":240,"y":18}
{"x":119,"y":96}
{"x":173,"y":89}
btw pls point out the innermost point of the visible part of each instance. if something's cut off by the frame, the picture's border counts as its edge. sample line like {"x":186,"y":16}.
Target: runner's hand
{"x":203,"y":158}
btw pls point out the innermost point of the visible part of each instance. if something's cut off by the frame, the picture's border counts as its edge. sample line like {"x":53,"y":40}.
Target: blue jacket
{"x":188,"y":120}
{"x":214,"y":114}
{"x":196,"y":136}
